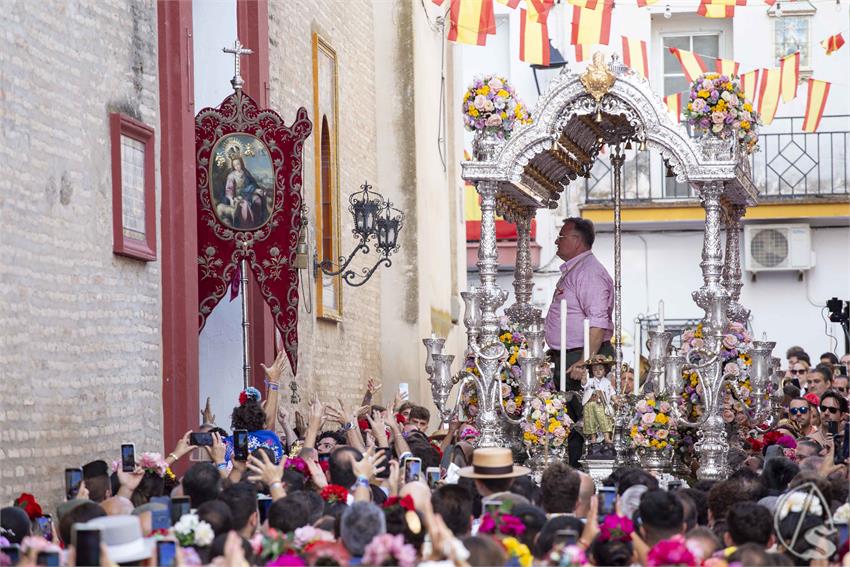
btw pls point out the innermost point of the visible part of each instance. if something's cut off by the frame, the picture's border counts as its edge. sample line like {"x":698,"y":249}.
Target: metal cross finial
{"x":238,"y":50}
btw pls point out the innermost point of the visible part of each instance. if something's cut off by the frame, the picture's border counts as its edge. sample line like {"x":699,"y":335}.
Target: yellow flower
{"x":748,"y":107}
{"x":518,"y":400}
{"x":702,"y":93}
{"x":466,"y":96}
{"x":690,"y":106}
{"x":720,"y":106}
{"x":485,"y":90}
{"x":538,"y":424}
{"x":503,"y":93}
{"x":660,"y":418}
{"x":634,"y":430}
{"x":662,"y":444}
{"x":712,"y":76}
{"x":650,"y":403}
{"x":745,"y":124}
{"x":473,"y":112}
{"x":503,"y":114}
{"x":519,"y":550}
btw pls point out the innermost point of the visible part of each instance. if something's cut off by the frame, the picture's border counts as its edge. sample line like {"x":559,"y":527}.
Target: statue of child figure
{"x":598,"y":401}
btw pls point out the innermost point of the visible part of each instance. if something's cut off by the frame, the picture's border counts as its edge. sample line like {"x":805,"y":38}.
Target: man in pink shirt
{"x":589,"y":291}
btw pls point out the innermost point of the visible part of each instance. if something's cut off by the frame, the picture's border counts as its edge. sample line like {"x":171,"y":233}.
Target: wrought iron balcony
{"x":791,"y":163}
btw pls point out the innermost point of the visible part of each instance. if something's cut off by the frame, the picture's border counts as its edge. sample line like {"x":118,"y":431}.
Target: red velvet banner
{"x":248,"y":170}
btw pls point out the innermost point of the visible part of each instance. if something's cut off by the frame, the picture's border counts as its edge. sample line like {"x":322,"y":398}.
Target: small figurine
{"x":598,"y":407}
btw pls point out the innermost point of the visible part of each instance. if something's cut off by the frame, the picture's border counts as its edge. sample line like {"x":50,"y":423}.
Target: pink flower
{"x":671,"y":552}
{"x":639,"y":439}
{"x":488,"y":525}
{"x":661,"y":434}
{"x":728,"y":416}
{"x":665,"y":407}
{"x":493,"y":120}
{"x":732,"y":368}
{"x":495,"y":84}
{"x":287,"y":559}
{"x":560,"y":432}
{"x":642,"y":406}
{"x":648,"y":418}
{"x":730,"y":341}
{"x":687,"y":335}
{"x":480,"y":101}
{"x":391,"y":550}
{"x":698,"y":343}
{"x":718,"y":117}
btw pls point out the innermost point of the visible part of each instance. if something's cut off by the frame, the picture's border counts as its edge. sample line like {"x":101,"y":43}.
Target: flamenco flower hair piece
{"x":249,"y":393}
{"x":28,"y":502}
{"x":405,"y":502}
{"x":334,"y":493}
{"x":505,"y":524}
{"x":616,"y":528}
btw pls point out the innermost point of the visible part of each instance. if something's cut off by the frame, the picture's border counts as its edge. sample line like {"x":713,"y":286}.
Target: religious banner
{"x":248,"y":170}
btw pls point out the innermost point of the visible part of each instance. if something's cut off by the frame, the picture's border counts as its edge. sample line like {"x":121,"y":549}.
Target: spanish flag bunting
{"x":692,"y":64}
{"x":634,"y":55}
{"x":509,"y":3}
{"x":833,"y":43}
{"x":438,"y":2}
{"x":589,"y":4}
{"x":645,"y":3}
{"x":673,"y":103}
{"x":749,"y":82}
{"x":719,"y":8}
{"x":770,"y":2}
{"x":815,"y":104}
{"x":727,"y":67}
{"x":790,"y":76}
{"x":538,"y":10}
{"x":591,"y":26}
{"x":533,"y":40}
{"x":471,"y":21}
{"x":769,"y":94}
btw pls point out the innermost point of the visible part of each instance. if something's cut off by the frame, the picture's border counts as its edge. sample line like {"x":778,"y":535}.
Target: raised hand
{"x":282,"y":417}
{"x":218,"y":449}
{"x":274,"y":371}
{"x":373,"y":386}
{"x":369,"y":465}
{"x":316,"y":472}
{"x":207,"y":416}
{"x":264,"y":469}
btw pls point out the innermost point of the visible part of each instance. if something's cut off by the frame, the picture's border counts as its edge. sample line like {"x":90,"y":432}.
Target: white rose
{"x":204,"y":534}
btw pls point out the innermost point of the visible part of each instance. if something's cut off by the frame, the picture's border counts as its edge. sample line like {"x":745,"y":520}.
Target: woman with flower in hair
{"x":613,"y":544}
{"x":258,"y":418}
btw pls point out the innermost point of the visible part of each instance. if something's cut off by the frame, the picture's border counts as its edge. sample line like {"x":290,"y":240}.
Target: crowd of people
{"x":368,"y":485}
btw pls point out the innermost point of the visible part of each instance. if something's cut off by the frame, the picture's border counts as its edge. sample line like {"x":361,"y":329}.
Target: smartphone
{"x":324,"y":457}
{"x":161,"y":519}
{"x":412,"y":469}
{"x":128,"y":457}
{"x":13,"y":552}
{"x":607,"y":502}
{"x":263,"y":504}
{"x":86,"y":541}
{"x":842,"y":533}
{"x":492,"y":507}
{"x":73,"y":479}
{"x":388,"y":453}
{"x":832,"y":427}
{"x":201,"y":438}
{"x":432,"y":475}
{"x":45,"y":526}
{"x":240,"y":444}
{"x":566,"y":537}
{"x":180,"y":505}
{"x":404,"y":390}
{"x":49,"y":558}
{"x":166,"y":552}
{"x":674,"y":485}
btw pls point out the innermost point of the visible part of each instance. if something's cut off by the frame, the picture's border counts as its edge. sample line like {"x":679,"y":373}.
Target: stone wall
{"x":79,"y":327}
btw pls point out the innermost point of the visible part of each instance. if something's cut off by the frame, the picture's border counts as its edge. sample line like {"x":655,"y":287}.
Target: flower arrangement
{"x":616,"y":528}
{"x":500,"y":523}
{"x":491,"y":105}
{"x":190,"y":530}
{"x":517,"y":551}
{"x":671,"y":552}
{"x":567,"y":556}
{"x":652,"y":426}
{"x":249,"y":393}
{"x":306,"y":536}
{"x":718,"y":105}
{"x":153,"y":463}
{"x":298,"y":464}
{"x":405,"y":502}
{"x":549,"y":423}
{"x":787,"y":442}
{"x":28,"y":502}
{"x":388,"y":549}
{"x":334,"y":493}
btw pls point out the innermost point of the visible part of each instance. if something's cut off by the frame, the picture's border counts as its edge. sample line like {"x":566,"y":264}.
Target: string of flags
{"x":472,"y":21}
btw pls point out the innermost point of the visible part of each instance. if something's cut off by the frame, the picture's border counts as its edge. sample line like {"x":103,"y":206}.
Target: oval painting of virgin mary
{"x":242,"y":182}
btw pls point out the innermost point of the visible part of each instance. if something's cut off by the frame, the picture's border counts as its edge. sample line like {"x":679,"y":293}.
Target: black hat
{"x":94,"y":469}
{"x":15,"y":525}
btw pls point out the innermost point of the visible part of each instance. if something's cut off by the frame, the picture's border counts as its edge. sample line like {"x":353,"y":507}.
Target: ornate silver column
{"x":618,"y":158}
{"x":731,"y":276}
{"x":712,"y":293}
{"x":522,"y":312}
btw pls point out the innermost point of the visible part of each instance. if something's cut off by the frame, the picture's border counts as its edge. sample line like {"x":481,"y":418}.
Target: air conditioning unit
{"x":775,"y":247}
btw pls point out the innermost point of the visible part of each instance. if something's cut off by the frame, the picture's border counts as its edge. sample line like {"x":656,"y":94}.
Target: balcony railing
{"x":790,"y":163}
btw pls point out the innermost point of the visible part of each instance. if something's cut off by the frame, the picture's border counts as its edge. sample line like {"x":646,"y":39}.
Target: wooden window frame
{"x":123,"y":245}
{"x":321,"y":45}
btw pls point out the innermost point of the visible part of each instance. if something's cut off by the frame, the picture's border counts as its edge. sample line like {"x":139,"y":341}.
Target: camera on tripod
{"x":839,"y":311}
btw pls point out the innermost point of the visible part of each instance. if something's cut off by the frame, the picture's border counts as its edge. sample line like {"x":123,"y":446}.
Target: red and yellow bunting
{"x":673,"y":103}
{"x":749,"y":82}
{"x":833,"y":43}
{"x":727,"y":67}
{"x":634,"y":55}
{"x":790,"y":76}
{"x":692,"y":64}
{"x":538,"y":10}
{"x":815,"y":104}
{"x":719,"y":8}
{"x":533,"y":40}
{"x":509,"y":3}
{"x":769,"y":94}
{"x":591,"y":26}
{"x":471,"y":21}
{"x":645,"y":3}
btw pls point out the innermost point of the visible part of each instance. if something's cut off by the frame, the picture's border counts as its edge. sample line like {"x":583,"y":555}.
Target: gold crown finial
{"x":598,"y":78}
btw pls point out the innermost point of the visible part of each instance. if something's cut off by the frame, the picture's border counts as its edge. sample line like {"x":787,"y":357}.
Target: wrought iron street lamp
{"x":547,"y":72}
{"x":374,"y":217}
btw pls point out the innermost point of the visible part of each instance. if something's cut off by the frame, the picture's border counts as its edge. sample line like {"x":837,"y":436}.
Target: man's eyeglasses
{"x":800,"y":371}
{"x":829,"y":409}
{"x":801,"y":411}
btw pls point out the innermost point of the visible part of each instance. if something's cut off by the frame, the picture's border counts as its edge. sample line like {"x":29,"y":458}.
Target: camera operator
{"x":834,"y":424}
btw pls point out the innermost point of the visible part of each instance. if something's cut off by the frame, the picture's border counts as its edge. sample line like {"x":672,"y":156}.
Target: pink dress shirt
{"x":589,"y":292}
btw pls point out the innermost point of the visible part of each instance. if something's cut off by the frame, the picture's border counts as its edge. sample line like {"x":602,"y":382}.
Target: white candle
{"x":661,"y":315}
{"x":586,"y":339}
{"x":433,"y":335}
{"x":661,"y":381}
{"x":563,"y":365}
{"x":764,"y":336}
{"x":637,"y":359}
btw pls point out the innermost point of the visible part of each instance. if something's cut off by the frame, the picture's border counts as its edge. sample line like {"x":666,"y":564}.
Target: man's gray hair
{"x":361,"y":522}
{"x":583,"y":228}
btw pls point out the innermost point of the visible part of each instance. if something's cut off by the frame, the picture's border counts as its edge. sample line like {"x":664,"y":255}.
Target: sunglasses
{"x":800,"y":371}
{"x":801,"y":411}
{"x":829,"y":409}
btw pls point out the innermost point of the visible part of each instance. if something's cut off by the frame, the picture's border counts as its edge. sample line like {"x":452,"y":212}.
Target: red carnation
{"x":812,"y":399}
{"x":400,"y":419}
{"x":30,"y":506}
{"x":334,"y":493}
{"x":755,"y":444}
{"x":406,"y":502}
{"x":243,"y":397}
{"x":771,"y":437}
{"x":363,"y":424}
